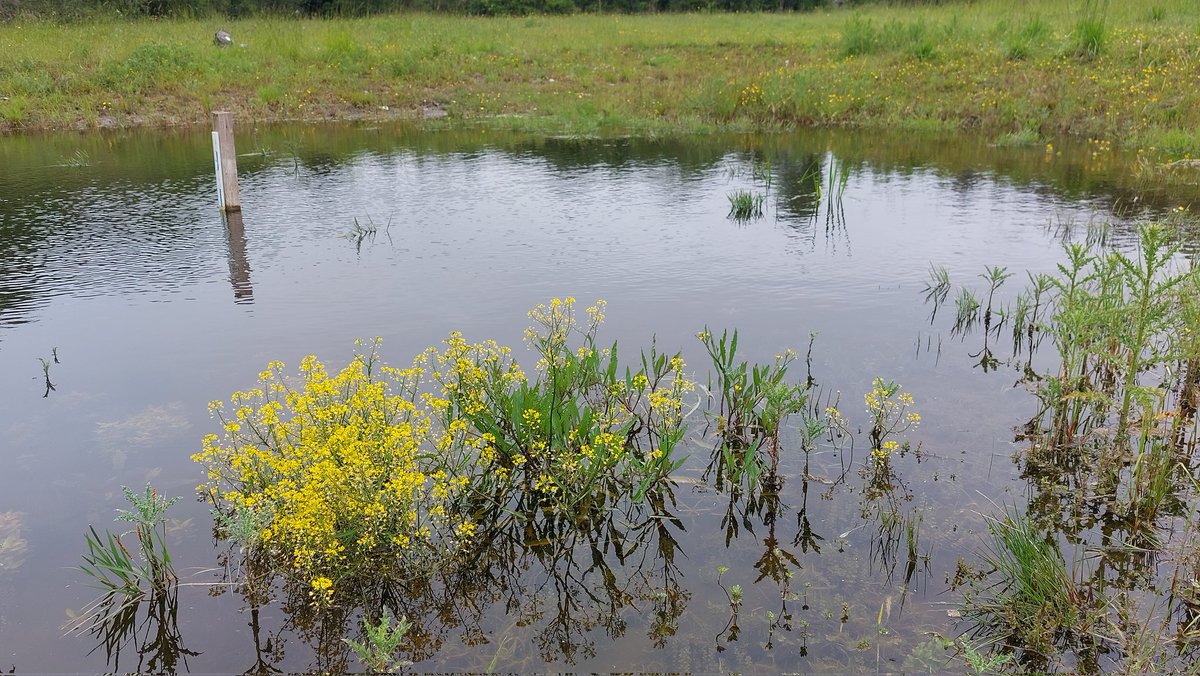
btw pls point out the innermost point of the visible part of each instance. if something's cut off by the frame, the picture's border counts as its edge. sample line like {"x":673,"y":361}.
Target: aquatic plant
{"x":937,"y":288}
{"x":1035,"y":605}
{"x":130,"y":582}
{"x":381,"y":471}
{"x":46,"y":375}
{"x":981,"y":662}
{"x":744,"y":205}
{"x":1114,"y":435}
{"x":733,"y":594}
{"x":377,"y":651}
{"x":753,"y":401}
{"x":364,"y":232}
{"x":892,"y":413}
{"x":330,"y":471}
{"x":117,"y":571}
{"x":583,"y":428}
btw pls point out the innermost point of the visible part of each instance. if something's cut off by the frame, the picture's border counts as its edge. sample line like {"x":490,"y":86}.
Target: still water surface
{"x":115,"y":260}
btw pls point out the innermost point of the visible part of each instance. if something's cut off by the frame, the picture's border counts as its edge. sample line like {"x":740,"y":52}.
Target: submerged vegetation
{"x":1014,"y":71}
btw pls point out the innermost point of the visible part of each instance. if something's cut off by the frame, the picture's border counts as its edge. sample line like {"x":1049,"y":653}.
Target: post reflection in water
{"x":239,"y":266}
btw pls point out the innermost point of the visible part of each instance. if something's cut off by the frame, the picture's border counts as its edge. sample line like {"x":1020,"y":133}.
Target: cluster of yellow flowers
{"x":327,"y":469}
{"x":891,"y":413}
{"x":376,"y":467}
{"x":884,"y":451}
{"x":571,"y":429}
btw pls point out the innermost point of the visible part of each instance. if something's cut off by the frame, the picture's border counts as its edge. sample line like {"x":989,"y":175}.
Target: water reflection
{"x":149,"y":627}
{"x":551,"y":582}
{"x":128,"y":253}
{"x":135,"y":221}
{"x":239,"y":266}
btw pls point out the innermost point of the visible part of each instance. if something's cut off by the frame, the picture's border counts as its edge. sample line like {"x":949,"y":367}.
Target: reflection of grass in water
{"x":1022,"y":137}
{"x":78,"y":159}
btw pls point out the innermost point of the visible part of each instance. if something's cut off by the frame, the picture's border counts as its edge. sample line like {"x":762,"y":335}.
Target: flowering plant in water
{"x":892,"y":413}
{"x":376,"y":470}
{"x":325,"y":475}
{"x":581,"y":431}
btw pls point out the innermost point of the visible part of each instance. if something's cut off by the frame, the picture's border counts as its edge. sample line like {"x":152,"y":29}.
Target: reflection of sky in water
{"x":156,"y":307}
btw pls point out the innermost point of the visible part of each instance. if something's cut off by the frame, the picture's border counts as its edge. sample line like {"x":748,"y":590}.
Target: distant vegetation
{"x":1020,"y":73}
{"x":80,"y":9}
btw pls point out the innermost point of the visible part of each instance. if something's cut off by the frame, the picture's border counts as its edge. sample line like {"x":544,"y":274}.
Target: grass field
{"x":1022,"y":71}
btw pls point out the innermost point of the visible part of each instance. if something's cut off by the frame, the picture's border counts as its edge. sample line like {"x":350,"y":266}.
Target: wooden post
{"x":226,"y":156}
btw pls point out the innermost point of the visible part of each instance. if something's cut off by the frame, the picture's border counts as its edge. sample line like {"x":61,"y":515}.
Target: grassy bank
{"x":1021,"y":71}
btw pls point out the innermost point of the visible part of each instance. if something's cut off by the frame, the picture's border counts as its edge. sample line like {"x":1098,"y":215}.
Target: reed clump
{"x":745,"y":205}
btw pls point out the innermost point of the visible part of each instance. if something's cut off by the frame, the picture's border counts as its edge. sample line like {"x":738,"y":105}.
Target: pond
{"x":124,"y":287}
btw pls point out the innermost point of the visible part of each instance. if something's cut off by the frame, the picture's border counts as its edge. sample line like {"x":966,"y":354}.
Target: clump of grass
{"x":366,"y":232}
{"x":913,"y":38}
{"x":1022,"y":43}
{"x":46,"y":375}
{"x":745,"y":205}
{"x":859,"y":36}
{"x":130,"y":577}
{"x":966,"y":311}
{"x":14,"y":110}
{"x":1088,"y":38}
{"x":1033,"y":605}
{"x":1090,"y":33}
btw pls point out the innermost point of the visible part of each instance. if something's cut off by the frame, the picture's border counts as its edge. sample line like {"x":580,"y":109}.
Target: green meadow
{"x":1023,"y":72}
